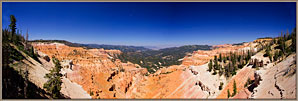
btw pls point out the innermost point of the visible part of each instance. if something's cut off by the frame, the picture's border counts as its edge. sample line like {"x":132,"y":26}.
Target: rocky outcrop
{"x":94,"y":69}
{"x":103,"y":76}
{"x":262,"y":40}
{"x":277,"y":81}
{"x":201,"y":57}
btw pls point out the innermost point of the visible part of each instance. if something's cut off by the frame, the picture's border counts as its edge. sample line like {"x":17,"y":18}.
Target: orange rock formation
{"x":201,"y":57}
{"x":103,"y":76}
{"x":95,"y":69}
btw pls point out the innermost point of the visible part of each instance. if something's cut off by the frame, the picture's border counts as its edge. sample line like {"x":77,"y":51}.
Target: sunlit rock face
{"x":95,"y":69}
{"x":103,"y":76}
{"x":201,"y":57}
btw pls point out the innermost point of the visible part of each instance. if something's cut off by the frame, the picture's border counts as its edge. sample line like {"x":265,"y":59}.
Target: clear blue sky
{"x":151,"y":24}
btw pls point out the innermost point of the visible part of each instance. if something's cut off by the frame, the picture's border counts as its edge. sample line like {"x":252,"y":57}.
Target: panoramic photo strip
{"x":149,"y":50}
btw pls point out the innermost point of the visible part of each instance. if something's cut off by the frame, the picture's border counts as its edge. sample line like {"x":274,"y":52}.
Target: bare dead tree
{"x":26,"y":40}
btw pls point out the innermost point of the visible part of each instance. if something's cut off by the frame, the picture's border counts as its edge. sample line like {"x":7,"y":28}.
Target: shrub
{"x":220,"y":86}
{"x":234,"y":89}
{"x":229,"y":95}
{"x":210,"y":66}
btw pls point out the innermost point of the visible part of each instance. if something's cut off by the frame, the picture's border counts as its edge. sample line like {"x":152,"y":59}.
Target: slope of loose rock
{"x":37,"y":71}
{"x":277,"y":81}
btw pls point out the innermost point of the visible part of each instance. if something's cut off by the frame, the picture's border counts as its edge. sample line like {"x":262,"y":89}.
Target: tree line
{"x":286,"y":45}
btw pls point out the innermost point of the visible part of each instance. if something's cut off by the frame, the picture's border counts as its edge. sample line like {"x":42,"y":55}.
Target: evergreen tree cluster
{"x":283,"y":49}
{"x":228,"y":64}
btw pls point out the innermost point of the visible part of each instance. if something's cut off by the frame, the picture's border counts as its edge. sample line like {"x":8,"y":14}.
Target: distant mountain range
{"x":154,"y":59}
{"x":123,"y":48}
{"x":117,"y":47}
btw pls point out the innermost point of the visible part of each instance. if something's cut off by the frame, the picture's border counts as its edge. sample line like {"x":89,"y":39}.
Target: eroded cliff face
{"x":201,"y":57}
{"x":95,"y":70}
{"x":278,"y":80}
{"x":103,"y":76}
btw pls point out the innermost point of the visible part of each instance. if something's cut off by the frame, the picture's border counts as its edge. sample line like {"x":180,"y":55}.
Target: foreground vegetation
{"x":15,"y":77}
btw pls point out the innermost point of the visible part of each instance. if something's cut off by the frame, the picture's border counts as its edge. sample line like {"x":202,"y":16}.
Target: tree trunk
{"x":26,"y":83}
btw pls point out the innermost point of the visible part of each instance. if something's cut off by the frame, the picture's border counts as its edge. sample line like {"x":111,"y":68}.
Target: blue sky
{"x":151,"y":24}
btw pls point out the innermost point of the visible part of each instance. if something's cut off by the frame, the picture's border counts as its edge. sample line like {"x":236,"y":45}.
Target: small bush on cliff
{"x":234,"y":88}
{"x":229,"y":95}
{"x":248,"y":82}
{"x":53,"y":85}
{"x":122,"y":69}
{"x":210,"y":66}
{"x":220,"y":86}
{"x":268,"y":54}
{"x":91,"y":92}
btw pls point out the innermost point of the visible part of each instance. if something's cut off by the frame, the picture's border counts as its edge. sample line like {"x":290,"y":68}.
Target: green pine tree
{"x":12,"y":25}
{"x":234,"y":89}
{"x":229,"y":94}
{"x":215,"y":63}
{"x":220,"y":57}
{"x":210,"y":66}
{"x":293,"y":40}
{"x":53,"y":85}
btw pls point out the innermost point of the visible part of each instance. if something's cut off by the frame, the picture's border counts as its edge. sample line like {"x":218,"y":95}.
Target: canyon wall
{"x":95,"y":70}
{"x":103,"y":76}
